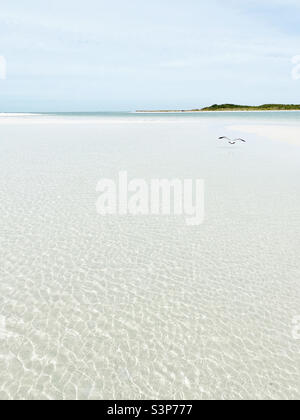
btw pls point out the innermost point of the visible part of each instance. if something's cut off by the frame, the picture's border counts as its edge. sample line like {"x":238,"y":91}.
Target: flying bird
{"x":230,"y":141}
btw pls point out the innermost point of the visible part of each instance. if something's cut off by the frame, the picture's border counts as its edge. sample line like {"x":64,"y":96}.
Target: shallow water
{"x":142,"y":307}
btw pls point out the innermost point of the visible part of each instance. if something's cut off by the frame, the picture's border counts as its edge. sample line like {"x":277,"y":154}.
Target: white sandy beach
{"x":287,"y":134}
{"x":147,"y":307}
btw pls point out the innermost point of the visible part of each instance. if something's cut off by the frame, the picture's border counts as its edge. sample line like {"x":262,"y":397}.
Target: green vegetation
{"x":232,"y":107}
{"x":267,"y":107}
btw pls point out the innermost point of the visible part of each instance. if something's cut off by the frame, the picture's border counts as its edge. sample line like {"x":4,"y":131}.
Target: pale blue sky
{"x":93,"y":55}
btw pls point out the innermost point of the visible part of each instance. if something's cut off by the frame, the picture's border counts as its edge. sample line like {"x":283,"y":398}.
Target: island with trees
{"x":232,"y":107}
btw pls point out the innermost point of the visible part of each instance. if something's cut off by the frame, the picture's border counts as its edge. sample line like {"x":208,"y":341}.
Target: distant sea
{"x":293,"y":116}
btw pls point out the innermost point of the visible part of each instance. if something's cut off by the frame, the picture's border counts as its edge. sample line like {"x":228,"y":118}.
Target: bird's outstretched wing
{"x":230,"y":141}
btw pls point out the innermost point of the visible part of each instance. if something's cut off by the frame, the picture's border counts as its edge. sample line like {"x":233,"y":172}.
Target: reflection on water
{"x":147,"y":307}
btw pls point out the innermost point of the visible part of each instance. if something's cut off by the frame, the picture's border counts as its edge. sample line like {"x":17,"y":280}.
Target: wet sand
{"x":287,"y":134}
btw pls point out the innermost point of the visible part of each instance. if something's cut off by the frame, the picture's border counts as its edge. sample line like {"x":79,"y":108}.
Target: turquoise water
{"x":147,"y":307}
{"x":278,"y":116}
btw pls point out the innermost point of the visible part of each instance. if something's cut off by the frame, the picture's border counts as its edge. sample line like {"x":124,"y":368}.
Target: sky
{"x":95,"y":55}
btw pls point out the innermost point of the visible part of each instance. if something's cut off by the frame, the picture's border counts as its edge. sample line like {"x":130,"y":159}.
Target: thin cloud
{"x":159,"y":52}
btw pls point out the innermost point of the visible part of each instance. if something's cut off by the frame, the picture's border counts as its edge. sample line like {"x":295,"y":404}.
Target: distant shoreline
{"x":213,"y":112}
{"x":229,"y":108}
